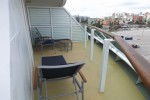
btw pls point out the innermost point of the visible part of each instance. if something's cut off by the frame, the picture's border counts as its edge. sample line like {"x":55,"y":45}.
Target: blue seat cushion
{"x":48,"y":42}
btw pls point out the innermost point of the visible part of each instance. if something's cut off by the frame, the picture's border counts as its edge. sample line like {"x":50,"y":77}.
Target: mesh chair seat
{"x":48,"y":42}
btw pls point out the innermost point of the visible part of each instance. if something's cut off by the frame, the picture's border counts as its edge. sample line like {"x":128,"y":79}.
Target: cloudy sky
{"x":101,"y":8}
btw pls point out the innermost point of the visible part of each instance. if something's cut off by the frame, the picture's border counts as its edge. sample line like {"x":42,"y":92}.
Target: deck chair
{"x":43,"y":40}
{"x":56,"y":68}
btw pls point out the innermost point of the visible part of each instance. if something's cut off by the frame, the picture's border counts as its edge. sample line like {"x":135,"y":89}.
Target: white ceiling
{"x":49,"y":3}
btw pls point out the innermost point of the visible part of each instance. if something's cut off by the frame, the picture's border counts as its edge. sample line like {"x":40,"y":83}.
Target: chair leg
{"x":41,"y":49}
{"x":39,"y":94}
{"x":45,"y":85}
{"x":71,"y":45}
{"x":54,"y":46}
{"x":76,"y":91}
{"x":82,"y":90}
{"x":39,"y":89}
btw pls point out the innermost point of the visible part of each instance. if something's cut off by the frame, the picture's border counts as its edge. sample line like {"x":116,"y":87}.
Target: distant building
{"x":147,"y":16}
{"x":81,"y":19}
{"x":122,"y":17}
{"x":92,"y":21}
{"x":137,"y":18}
{"x":106,"y":22}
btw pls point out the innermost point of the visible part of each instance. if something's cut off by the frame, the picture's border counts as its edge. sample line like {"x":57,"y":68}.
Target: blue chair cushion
{"x":48,"y":42}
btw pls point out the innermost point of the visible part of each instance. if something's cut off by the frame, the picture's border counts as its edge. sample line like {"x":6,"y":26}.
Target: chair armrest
{"x":82,"y":76}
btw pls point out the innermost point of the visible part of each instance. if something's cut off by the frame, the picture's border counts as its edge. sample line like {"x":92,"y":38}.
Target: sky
{"x":103,"y":8}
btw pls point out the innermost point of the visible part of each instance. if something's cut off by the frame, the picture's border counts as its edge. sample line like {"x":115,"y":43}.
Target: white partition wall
{"x":55,"y":22}
{"x":21,"y":59}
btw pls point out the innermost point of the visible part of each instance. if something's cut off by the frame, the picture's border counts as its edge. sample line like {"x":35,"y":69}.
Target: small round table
{"x":67,"y":43}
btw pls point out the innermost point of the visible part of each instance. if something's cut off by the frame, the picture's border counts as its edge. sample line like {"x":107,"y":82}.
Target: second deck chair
{"x":55,"y":67}
{"x":43,"y":40}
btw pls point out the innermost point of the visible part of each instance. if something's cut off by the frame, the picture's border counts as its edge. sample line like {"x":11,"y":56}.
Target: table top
{"x":66,"y":41}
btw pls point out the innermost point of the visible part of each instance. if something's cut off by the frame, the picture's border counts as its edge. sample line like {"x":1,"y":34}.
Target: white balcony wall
{"x":20,"y":52}
{"x":55,"y":22}
{"x":5,"y":91}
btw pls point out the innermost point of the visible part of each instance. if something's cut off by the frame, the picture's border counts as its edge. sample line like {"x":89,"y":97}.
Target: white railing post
{"x":85,"y":36}
{"x":104,"y":63}
{"x":70,"y":27}
{"x":92,"y":45}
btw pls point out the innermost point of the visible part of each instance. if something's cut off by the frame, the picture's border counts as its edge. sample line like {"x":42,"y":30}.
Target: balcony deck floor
{"x":119,"y":84}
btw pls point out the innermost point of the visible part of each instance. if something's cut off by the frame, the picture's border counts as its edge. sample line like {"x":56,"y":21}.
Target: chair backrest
{"x":38,"y":33}
{"x":60,"y":71}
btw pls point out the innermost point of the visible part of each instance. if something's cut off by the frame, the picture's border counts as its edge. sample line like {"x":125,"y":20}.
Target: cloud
{"x":141,"y":7}
{"x":125,"y":4}
{"x":99,"y":8}
{"x":129,"y":3}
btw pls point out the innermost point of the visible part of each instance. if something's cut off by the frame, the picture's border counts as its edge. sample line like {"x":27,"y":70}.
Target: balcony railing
{"x":139,"y":63}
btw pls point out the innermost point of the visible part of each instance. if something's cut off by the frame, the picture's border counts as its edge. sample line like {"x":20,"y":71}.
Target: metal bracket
{"x":138,"y":80}
{"x":117,"y":58}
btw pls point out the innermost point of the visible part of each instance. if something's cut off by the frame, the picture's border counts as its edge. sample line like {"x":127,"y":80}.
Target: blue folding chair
{"x":56,"y":68}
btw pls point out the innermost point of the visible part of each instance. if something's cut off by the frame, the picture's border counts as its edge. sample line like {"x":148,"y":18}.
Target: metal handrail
{"x":140,"y":64}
